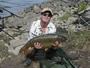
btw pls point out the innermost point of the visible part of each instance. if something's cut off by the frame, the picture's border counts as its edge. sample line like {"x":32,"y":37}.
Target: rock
{"x":32,"y":13}
{"x":28,"y":9}
{"x":86,"y":14}
{"x":88,"y":2}
{"x":36,"y":9}
{"x":72,"y":27}
{"x":6,"y":45}
{"x":17,"y":42}
{"x":0,"y":60}
{"x":71,"y":20}
{"x":21,"y":13}
{"x":14,"y":51}
{"x":2,"y":42}
{"x":13,"y":22}
{"x":15,"y":45}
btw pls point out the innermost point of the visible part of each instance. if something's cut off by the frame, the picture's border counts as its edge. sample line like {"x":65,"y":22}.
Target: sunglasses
{"x":45,"y":14}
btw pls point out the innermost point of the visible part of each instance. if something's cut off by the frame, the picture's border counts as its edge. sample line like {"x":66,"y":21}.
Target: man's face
{"x":45,"y":17}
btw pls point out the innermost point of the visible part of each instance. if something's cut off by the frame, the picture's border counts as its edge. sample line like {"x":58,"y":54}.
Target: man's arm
{"x":32,"y":31}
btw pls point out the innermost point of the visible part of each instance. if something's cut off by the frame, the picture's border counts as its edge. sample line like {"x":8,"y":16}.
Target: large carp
{"x":46,"y":40}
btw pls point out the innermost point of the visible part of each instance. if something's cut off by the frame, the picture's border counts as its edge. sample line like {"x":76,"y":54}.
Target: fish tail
{"x":26,"y":51}
{"x":21,"y":50}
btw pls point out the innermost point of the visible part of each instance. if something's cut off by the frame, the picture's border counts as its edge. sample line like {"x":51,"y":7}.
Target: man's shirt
{"x":36,"y":30}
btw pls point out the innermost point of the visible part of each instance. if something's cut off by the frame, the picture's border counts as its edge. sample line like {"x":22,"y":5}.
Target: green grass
{"x":82,"y":6}
{"x":79,"y":39}
{"x":66,"y":15}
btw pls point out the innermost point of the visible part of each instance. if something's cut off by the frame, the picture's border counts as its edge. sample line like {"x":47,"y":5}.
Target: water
{"x":15,"y":5}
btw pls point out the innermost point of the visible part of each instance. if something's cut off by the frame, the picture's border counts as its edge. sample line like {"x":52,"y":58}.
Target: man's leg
{"x":40,"y":54}
{"x":50,"y":53}
{"x":27,"y":62}
{"x":29,"y":57}
{"x":36,"y":54}
{"x":55,"y":54}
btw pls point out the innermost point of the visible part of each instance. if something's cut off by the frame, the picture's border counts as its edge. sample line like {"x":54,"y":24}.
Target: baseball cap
{"x":47,"y":9}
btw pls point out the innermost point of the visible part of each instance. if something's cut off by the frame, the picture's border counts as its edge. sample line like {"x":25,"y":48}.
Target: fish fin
{"x":26,"y":51}
{"x":46,"y":49}
{"x":22,"y":49}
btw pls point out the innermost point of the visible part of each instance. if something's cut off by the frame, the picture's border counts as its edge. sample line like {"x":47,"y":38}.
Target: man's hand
{"x":56,"y":43}
{"x":37,"y":45}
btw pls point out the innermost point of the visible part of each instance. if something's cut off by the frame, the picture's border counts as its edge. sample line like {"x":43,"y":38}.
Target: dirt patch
{"x":83,"y":60}
{"x":17,"y":61}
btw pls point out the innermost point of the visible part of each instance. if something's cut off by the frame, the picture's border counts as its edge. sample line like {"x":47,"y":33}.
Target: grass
{"x":66,"y":15}
{"x":80,"y":39}
{"x":3,"y":50}
{"x":82,"y":6}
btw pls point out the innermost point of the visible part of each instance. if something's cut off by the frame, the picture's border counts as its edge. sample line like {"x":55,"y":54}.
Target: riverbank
{"x":18,"y":28}
{"x":16,"y":5}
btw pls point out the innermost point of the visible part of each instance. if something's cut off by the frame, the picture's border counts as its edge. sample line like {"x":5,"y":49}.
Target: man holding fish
{"x":37,"y":28}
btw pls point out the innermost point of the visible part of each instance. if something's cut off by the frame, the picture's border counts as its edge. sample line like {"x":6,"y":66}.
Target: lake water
{"x":16,"y":5}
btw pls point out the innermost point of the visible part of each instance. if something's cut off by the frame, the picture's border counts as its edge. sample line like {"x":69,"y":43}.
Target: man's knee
{"x":40,"y":54}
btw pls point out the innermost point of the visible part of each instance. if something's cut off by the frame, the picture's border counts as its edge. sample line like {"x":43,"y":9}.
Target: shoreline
{"x":15,"y":8}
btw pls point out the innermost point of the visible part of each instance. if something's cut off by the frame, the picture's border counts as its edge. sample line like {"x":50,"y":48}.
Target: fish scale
{"x":46,"y":40}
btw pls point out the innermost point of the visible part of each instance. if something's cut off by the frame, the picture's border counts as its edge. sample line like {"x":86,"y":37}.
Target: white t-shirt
{"x":36,"y":30}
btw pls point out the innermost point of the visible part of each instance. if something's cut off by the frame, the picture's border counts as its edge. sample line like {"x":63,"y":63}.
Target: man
{"x":39,"y":27}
